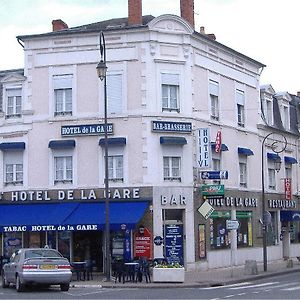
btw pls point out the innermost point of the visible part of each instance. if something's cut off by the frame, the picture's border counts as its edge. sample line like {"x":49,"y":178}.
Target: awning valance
{"x":245,"y":151}
{"x":61,"y":144}
{"x":70,"y":216}
{"x":290,"y":160}
{"x":273,"y":156}
{"x":223,"y":146}
{"x":120,"y":141}
{"x":12,"y":146}
{"x":172,"y":140}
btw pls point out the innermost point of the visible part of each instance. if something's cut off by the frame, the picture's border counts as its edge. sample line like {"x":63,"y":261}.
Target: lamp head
{"x":101,"y":69}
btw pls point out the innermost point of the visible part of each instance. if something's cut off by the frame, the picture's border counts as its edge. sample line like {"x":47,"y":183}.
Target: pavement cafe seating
{"x":133,"y":271}
{"x":83,"y":270}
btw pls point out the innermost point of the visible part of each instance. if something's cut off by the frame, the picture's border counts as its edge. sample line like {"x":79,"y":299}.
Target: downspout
{"x":19,"y":41}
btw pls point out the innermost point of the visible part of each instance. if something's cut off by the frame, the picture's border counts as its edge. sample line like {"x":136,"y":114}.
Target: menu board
{"x":174,"y":243}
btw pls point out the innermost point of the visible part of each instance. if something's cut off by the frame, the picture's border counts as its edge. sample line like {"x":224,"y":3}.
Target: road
{"x":278,"y":287}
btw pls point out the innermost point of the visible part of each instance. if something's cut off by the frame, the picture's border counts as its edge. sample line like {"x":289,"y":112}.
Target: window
{"x":243,"y":170}
{"x":288,"y":171}
{"x":214,"y":99}
{"x":271,"y":176}
{"x":63,"y":169}
{"x":240,"y":98}
{"x":268,"y":110}
{"x":285,"y":117}
{"x":115,"y":168}
{"x":216,"y":166}
{"x":14,"y":103}
{"x":171,"y":168}
{"x":170,"y":92}
{"x":13,"y":167}
{"x":114,"y":93}
{"x":62,"y":95}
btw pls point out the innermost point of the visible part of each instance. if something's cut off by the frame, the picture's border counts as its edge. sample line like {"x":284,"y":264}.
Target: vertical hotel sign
{"x":203,"y":148}
{"x":288,"y":188}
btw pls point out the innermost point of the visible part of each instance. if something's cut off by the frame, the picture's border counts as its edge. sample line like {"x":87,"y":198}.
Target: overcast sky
{"x":265,"y":30}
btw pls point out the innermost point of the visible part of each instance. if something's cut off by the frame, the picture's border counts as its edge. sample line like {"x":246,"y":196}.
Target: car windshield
{"x":41,"y":253}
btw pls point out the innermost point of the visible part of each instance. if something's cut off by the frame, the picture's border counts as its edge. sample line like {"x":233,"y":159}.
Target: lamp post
{"x":101,"y":71}
{"x":277,"y":164}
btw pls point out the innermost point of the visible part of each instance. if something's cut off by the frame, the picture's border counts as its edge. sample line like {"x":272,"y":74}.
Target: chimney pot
{"x":134,"y":12}
{"x":202,"y":29}
{"x":298,"y":93}
{"x":58,"y":25}
{"x":187,"y":11}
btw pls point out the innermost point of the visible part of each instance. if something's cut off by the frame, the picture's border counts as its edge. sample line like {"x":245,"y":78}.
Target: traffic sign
{"x":214,"y":175}
{"x":232,"y":224}
{"x":158,"y":240}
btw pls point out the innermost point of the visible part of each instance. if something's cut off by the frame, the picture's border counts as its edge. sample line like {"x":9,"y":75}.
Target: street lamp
{"x":277,"y":166}
{"x":101,"y":71}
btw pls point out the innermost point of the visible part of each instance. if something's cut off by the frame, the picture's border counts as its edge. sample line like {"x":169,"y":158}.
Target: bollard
{"x":290,"y":263}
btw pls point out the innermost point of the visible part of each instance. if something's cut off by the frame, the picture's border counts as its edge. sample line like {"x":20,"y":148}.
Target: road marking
{"x":292,"y":289}
{"x":254,"y":285}
{"x":225,"y":286}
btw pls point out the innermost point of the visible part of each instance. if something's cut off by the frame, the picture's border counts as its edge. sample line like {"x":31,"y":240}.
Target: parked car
{"x":29,"y":266}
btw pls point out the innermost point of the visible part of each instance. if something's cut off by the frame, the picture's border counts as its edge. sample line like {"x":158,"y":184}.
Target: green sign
{"x":212,"y":190}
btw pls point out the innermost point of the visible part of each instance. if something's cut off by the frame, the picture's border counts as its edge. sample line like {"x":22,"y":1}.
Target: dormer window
{"x":284,"y":107}
{"x":285,"y":116}
{"x":267,"y":108}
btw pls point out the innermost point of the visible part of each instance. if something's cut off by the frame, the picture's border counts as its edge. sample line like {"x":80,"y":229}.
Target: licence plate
{"x":47,"y":267}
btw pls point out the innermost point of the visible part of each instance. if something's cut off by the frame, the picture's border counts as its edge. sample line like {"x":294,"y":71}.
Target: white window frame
{"x":13,"y":102}
{"x":63,"y":84}
{"x":271,"y":176}
{"x":65,"y":160}
{"x":240,"y":100}
{"x":114,"y":170}
{"x":288,"y":170}
{"x":285,"y":116}
{"x":115,"y":93}
{"x":216,"y":166}
{"x":268,"y":109}
{"x":214,"y":99}
{"x":14,"y":159}
{"x":170,"y":89}
{"x":243,"y":171}
{"x":169,"y":168}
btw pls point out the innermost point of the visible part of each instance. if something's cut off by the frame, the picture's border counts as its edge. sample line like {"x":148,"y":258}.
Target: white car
{"x":29,"y":266}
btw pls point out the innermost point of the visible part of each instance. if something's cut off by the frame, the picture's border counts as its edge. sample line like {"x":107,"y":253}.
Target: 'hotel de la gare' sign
{"x":89,"y":129}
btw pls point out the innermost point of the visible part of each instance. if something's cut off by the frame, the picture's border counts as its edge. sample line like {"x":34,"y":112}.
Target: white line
{"x":229,"y":296}
{"x":254,"y":285}
{"x":292,"y":289}
{"x":225,"y":286}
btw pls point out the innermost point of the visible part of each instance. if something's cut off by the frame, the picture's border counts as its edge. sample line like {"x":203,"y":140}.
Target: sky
{"x":265,"y":30}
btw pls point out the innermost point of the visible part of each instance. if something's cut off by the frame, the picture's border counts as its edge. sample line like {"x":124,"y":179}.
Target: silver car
{"x":30,"y":266}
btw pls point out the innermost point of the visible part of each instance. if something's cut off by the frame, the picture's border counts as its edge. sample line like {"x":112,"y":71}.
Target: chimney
{"x":298,"y":94}
{"x":134,"y":12}
{"x":187,"y":11}
{"x":58,"y":25}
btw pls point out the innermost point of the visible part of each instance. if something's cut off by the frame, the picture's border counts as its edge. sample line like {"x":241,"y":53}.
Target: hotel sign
{"x":89,"y":129}
{"x":162,"y":126}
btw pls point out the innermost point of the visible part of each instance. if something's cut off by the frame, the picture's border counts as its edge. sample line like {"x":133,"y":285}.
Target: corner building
{"x":165,"y":81}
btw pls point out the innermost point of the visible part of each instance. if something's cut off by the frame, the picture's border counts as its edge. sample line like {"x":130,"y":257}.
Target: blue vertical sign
{"x":174,"y":243}
{"x":127,"y":246}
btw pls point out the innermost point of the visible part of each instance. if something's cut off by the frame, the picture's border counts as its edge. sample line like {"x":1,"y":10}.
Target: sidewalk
{"x":199,"y":278}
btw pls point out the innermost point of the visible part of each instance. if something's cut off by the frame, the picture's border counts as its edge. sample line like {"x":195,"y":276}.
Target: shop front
{"x":73,"y":221}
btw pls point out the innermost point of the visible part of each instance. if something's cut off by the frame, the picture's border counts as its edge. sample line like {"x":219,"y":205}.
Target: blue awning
{"x":121,"y":141}
{"x":12,"y":146}
{"x":290,"y":160}
{"x":172,"y":140}
{"x":223,"y":146}
{"x":245,"y":151}
{"x":125,"y":212}
{"x":26,"y":216}
{"x":61,"y":144}
{"x":273,"y":156}
{"x":48,"y":217}
{"x":289,"y":215}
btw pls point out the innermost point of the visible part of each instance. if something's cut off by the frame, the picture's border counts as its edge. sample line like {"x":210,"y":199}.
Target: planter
{"x":168,"y":274}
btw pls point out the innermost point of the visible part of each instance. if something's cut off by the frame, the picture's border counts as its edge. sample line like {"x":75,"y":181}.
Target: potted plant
{"x":173,"y":272}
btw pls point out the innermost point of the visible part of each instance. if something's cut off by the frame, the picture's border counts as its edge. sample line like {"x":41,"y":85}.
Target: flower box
{"x":168,"y":274}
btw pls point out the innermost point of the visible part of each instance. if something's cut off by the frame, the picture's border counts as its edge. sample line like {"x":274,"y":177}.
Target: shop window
{"x":272,"y":232}
{"x":295,"y":232}
{"x":219,"y":235}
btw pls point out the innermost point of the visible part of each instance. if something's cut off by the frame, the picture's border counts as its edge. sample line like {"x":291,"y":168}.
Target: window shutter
{"x":114,"y":93}
{"x":13,"y":157}
{"x":213,"y":88}
{"x":62,"y":81}
{"x":170,"y":79}
{"x":240,"y":97}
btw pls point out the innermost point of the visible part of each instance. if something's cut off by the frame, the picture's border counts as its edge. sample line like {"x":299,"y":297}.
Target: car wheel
{"x":19,"y":286}
{"x":64,"y":287}
{"x":5,"y":283}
